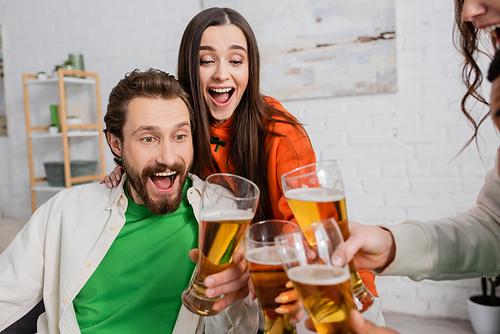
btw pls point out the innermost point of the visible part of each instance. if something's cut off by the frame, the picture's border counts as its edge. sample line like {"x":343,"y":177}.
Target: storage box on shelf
{"x":91,"y":129}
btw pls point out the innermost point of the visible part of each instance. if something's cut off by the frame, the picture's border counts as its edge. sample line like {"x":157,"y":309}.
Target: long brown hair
{"x":253,"y":117}
{"x":467,"y":41}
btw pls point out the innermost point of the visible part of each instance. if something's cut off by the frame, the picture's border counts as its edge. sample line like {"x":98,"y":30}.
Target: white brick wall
{"x":114,"y":36}
{"x":396,"y":150}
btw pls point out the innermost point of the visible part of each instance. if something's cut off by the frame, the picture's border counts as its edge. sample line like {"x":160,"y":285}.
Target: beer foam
{"x":318,"y":274}
{"x":315,"y":194}
{"x":264,"y":255}
{"x":216,"y":214}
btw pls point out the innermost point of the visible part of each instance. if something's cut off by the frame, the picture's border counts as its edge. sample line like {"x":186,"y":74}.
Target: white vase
{"x":53,"y":130}
{"x":484,"y":319}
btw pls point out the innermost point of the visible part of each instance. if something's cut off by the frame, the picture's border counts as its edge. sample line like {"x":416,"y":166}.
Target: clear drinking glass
{"x":314,"y":261}
{"x":267,"y":273}
{"x":316,"y":192}
{"x":228,"y":205}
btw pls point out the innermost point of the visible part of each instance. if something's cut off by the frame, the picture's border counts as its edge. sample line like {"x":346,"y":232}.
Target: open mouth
{"x":221,"y":96}
{"x":495,"y":31}
{"x":164,"y":180}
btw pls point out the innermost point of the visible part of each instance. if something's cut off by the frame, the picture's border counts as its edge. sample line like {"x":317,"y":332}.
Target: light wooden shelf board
{"x":44,"y":186}
{"x":89,"y":80}
{"x":77,"y":133}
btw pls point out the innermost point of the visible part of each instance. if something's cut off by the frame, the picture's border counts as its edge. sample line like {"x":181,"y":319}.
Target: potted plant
{"x":53,"y":129}
{"x":68,"y":65}
{"x":42,"y":75}
{"x":484,"y":309}
{"x":74,"y":120}
{"x":56,"y":68}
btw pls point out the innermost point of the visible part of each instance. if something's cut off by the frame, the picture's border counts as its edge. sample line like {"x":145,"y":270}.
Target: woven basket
{"x":55,"y":170}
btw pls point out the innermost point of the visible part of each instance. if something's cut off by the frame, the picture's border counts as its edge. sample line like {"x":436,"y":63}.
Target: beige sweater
{"x":464,"y":246}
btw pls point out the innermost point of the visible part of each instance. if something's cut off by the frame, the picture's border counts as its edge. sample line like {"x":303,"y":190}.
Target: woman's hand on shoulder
{"x":113,"y":179}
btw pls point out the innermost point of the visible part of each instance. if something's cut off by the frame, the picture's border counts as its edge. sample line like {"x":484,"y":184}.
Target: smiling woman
{"x":220,"y":61}
{"x":250,"y":134}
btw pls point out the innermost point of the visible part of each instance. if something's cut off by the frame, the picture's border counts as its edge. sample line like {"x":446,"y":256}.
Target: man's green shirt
{"x":138,"y":285}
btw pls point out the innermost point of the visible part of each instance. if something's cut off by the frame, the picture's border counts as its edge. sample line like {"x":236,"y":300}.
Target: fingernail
{"x":114,"y":183}
{"x":292,"y":320}
{"x":110,"y":185}
{"x":118,"y":177}
{"x":209,"y":292}
{"x":282,"y":310}
{"x":337,"y":261}
{"x":289,"y":284}
{"x":209,"y":281}
{"x":281,"y":299}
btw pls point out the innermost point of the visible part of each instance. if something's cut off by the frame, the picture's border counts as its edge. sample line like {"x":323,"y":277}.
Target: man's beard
{"x":163,"y":204}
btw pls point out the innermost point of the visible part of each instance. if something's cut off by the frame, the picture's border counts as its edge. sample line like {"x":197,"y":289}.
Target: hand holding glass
{"x":316,"y":192}
{"x":316,"y":265}
{"x":228,"y":205}
{"x":267,"y":273}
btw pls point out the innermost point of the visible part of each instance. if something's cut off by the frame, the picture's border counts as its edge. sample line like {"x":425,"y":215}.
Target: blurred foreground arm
{"x":464,"y":246}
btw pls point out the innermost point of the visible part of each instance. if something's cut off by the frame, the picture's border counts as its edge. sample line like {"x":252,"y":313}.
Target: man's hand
{"x":232,"y":282}
{"x":372,"y":247}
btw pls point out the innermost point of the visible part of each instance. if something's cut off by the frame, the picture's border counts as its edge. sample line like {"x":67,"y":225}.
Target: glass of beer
{"x":267,"y":273}
{"x":228,"y":204}
{"x":316,"y":265}
{"x":316,"y":192}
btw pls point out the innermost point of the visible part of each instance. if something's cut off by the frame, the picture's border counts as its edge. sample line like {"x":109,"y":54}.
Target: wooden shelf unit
{"x":82,"y":130}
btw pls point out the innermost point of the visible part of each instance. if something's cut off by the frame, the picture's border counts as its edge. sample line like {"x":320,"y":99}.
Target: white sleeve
{"x":21,"y":271}
{"x":241,"y":317}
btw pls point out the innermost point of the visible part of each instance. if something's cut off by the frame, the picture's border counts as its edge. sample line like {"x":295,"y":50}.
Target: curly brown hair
{"x":467,"y":41}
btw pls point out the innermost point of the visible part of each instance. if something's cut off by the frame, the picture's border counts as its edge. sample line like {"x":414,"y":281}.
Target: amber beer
{"x":311,"y":205}
{"x":220,"y":234}
{"x":269,"y":279}
{"x":326,"y":294}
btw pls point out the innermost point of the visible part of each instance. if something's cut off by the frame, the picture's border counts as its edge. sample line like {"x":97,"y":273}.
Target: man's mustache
{"x":159,"y":167}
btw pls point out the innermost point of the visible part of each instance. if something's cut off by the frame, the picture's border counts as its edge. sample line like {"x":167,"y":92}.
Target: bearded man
{"x":117,"y":260}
